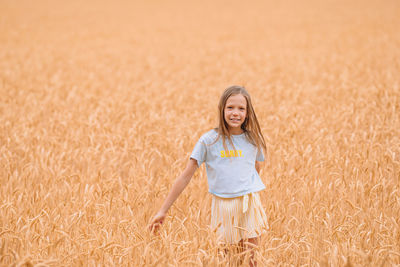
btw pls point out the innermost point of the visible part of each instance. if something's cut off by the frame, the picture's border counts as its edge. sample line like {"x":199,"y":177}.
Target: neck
{"x":236,"y":131}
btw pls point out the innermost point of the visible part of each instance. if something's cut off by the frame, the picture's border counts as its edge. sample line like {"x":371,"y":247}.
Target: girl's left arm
{"x":258,"y":166}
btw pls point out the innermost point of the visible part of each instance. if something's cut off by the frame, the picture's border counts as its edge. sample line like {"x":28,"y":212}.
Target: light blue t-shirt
{"x":230,"y":173}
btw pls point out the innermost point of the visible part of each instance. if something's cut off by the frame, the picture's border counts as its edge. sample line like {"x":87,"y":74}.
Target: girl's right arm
{"x":180,"y":183}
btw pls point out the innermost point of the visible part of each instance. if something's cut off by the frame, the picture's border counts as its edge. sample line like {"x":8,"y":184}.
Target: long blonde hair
{"x":250,"y":126}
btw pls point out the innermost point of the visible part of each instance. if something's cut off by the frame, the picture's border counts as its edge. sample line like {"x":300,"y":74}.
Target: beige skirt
{"x":234,"y":219}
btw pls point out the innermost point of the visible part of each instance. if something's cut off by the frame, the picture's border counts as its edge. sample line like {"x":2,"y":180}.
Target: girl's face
{"x":235,"y":112}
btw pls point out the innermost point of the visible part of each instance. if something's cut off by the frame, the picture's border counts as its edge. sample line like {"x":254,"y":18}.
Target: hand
{"x":156,"y":222}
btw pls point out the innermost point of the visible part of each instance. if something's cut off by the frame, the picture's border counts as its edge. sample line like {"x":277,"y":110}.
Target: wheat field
{"x":103,"y":101}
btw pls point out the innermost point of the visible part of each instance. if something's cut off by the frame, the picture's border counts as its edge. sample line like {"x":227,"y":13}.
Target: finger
{"x":153,"y":222}
{"x":155,"y":227}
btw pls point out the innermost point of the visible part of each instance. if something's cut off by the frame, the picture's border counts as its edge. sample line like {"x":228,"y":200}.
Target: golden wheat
{"x":101,"y":103}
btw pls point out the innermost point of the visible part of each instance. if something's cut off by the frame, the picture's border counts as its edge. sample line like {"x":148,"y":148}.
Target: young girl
{"x":232,"y":154}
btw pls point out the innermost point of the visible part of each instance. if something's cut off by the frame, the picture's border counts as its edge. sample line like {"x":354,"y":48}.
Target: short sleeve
{"x":199,"y":152}
{"x":260,"y":155}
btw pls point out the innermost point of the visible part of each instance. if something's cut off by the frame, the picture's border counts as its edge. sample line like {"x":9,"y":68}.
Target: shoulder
{"x":248,"y":140}
{"x":209,"y":137}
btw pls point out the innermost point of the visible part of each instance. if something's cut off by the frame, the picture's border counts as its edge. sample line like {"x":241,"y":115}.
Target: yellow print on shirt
{"x":231,"y":153}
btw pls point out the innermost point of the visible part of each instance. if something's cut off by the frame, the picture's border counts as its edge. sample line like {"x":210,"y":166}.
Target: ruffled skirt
{"x":239,"y":218}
